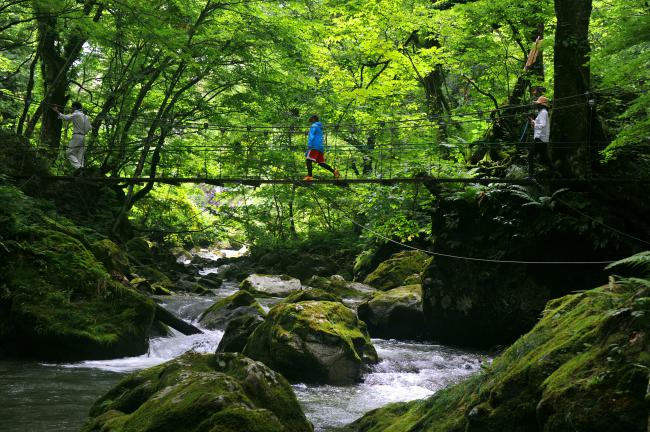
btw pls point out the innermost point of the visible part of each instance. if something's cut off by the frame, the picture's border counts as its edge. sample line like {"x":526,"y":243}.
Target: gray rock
{"x":239,"y":304}
{"x":237,"y":332}
{"x":270,"y":285}
{"x":395,"y":314}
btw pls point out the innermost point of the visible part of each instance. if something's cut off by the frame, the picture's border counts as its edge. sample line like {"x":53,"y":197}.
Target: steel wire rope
{"x":458,"y":257}
{"x":428,"y":120}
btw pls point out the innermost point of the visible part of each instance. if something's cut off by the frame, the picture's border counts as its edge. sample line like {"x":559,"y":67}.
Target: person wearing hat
{"x":542,"y":131}
{"x":315,"y":149}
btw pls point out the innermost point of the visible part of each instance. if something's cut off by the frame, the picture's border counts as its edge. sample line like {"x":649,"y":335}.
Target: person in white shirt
{"x":542,"y":131}
{"x":80,"y":126}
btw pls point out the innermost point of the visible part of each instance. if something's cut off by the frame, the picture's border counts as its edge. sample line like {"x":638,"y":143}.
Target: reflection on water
{"x":38,"y":398}
{"x":56,"y":397}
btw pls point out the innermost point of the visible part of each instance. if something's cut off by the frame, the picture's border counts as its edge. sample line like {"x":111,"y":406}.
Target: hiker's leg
{"x":75,"y":151}
{"x":309,"y":166}
{"x":542,"y":149}
{"x":531,"y":159}
{"x":327,"y":167}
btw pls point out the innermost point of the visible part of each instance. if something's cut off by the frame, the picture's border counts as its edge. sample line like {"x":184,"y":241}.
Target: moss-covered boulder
{"x":237,"y":332}
{"x":111,"y":256}
{"x":393,"y":272}
{"x":140,"y":250}
{"x":313,"y":341}
{"x":219,"y":314}
{"x":211,"y":281}
{"x":583,"y":367}
{"x":155,"y":276}
{"x":270,"y":285}
{"x":58,"y":300}
{"x":395,"y":314}
{"x":197,"y":393}
{"x":338,"y":286}
{"x":240,"y":328}
{"x":310,"y":294}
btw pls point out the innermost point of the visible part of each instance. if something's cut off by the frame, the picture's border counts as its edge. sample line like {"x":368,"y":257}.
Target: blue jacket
{"x":315,"y":140}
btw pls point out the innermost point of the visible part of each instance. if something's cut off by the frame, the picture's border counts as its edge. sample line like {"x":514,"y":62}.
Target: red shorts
{"x":315,"y":155}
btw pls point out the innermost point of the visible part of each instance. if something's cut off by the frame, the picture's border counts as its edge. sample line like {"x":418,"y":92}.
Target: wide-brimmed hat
{"x":542,"y":100}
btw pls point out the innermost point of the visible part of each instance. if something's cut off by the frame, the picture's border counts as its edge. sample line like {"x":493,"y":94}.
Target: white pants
{"x":75,"y":151}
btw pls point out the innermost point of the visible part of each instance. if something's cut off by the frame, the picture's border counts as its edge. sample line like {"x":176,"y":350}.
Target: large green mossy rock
{"x":62,"y":304}
{"x":583,"y":367}
{"x":200,"y":393}
{"x":241,"y":327}
{"x":313,"y":341}
{"x":311,"y":294}
{"x":338,"y":286}
{"x":57,"y":299}
{"x":395,"y":271}
{"x":111,"y":256}
{"x":395,"y":314}
{"x":239,"y":304}
{"x":140,"y":249}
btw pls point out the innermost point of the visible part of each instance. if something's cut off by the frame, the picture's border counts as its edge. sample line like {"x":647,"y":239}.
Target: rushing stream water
{"x":38,"y":397}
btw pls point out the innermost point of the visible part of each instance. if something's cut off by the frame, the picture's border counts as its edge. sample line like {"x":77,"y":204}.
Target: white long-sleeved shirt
{"x":78,"y":119}
{"x":542,"y":126}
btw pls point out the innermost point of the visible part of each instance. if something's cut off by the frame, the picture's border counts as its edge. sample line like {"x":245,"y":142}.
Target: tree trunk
{"x":57,"y":57}
{"x":574,"y":124}
{"x":292,"y":224}
{"x":28,"y":93}
{"x":55,"y":81}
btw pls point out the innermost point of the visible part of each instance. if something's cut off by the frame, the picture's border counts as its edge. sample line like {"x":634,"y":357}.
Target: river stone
{"x":239,"y":304}
{"x":237,"y":332}
{"x":211,"y":281}
{"x":270,"y":285}
{"x":310,"y":294}
{"x":338,"y":286}
{"x":200,"y":392}
{"x":313,"y":341}
{"x":395,"y":271}
{"x":394,"y":314}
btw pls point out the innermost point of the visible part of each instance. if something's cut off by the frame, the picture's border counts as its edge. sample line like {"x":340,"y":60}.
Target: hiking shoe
{"x":308,"y":178}
{"x":337,"y":174}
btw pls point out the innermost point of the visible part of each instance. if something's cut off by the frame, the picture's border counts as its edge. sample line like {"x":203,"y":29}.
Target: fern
{"x":639,"y":261}
{"x":535,"y":200}
{"x":635,"y":283}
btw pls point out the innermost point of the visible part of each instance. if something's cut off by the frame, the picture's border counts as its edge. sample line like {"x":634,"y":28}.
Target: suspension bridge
{"x":381,"y":152}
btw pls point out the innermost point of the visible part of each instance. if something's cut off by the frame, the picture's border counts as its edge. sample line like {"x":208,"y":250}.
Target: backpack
{"x":88,"y":126}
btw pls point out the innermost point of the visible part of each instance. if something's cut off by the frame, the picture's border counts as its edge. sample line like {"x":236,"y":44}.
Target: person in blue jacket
{"x":315,"y":149}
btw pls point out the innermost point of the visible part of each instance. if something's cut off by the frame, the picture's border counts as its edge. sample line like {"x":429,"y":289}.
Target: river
{"x":37,"y":397}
